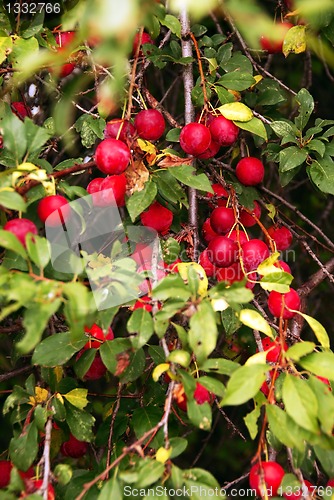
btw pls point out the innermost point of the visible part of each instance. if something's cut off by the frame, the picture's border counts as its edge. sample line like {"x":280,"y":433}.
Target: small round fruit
{"x":144,"y":302}
{"x":54,"y":210}
{"x":157,"y":217}
{"x":207,"y":265}
{"x":274,"y":349}
{"x":97,"y":369}
{"x":20,"y":109}
{"x":271,"y":474}
{"x":35,"y":485}
{"x":5,"y":470}
{"x":273,"y":42}
{"x":64,"y":39}
{"x":234,"y":273}
{"x":112,"y":156}
{"x":236,"y":236}
{"x":253,"y":253}
{"x":247,"y":219}
{"x":283,"y":266}
{"x":121,"y":128}
{"x":250,"y":171}
{"x":97,"y":333}
{"x":291,"y":301}
{"x":113,"y":189}
{"x":150,"y":124}
{"x":222,"y":219}
{"x":223,"y":131}
{"x":195,"y":138}
{"x":220,"y":195}
{"x":201,"y":396}
{"x":210,"y":152}
{"x":21,"y":228}
{"x":74,"y":448}
{"x":265,"y":387}
{"x":282,"y":237}
{"x":222,"y":251}
{"x":208,"y":233}
{"x":145,"y":38}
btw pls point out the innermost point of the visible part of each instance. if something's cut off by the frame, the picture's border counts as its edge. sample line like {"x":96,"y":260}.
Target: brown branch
{"x":112,"y":423}
{"x":15,"y":373}
{"x":155,"y":104}
{"x":317,"y":278}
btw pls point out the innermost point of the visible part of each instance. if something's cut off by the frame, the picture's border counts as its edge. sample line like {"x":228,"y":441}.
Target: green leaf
{"x":140,"y":324}
{"x":251,"y":421}
{"x":172,"y":23}
{"x":173,"y":135}
{"x":282,"y":128}
{"x":236,"y":111}
{"x":172,"y":286}
{"x":300,"y":402}
{"x":277,"y":281}
{"x":6,"y":44}
{"x":111,"y":489}
{"x":35,"y":26}
{"x":39,"y":250}
{"x":185,"y":174}
{"x":219,"y":365}
{"x":321,"y":173}
{"x":57,"y":349}
{"x":254,"y":126}
{"x":23,"y":448}
{"x":256,"y":321}
{"x":279,"y":423}
{"x":178,"y":446}
{"x":140,"y":200}
{"x":318,"y":330}
{"x":325,"y":404}
{"x":78,"y":305}
{"x":199,"y":415}
{"x":14,"y":136}
{"x":80,"y":422}
{"x":36,"y":136}
{"x":12,"y":200}
{"x":23,"y":50}
{"x":213,"y":385}
{"x":84,"y":362}
{"x":237,"y":80}
{"x":149,"y":473}
{"x":121,"y":360}
{"x":326,"y":458}
{"x":295,"y":40}
{"x":35,"y":320}
{"x":244,"y":384}
{"x":318,"y":146}
{"x":291,"y":158}
{"x":203,"y":331}
{"x":170,"y":188}
{"x":77,"y":398}
{"x":299,"y":350}
{"x":144,"y":419}
{"x":306,"y":106}
{"x":319,"y":363}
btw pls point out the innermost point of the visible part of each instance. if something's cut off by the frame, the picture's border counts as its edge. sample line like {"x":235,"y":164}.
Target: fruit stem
{"x":133,"y":74}
{"x":200,"y":67}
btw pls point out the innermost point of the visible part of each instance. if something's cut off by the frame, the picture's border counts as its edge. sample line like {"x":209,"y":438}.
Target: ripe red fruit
{"x":20,"y":109}
{"x":54,"y":209}
{"x":247,"y":219}
{"x":234,"y":273}
{"x":208,"y":233}
{"x":249,"y":171}
{"x":207,"y":265}
{"x":283,"y":265}
{"x":265,"y":387}
{"x":33,"y":486}
{"x":223,"y":131}
{"x":195,"y":138}
{"x":74,"y":448}
{"x":109,"y":191}
{"x":112,"y":156}
{"x":236,"y":236}
{"x":97,"y":333}
{"x":97,"y":369}
{"x":157,"y":217}
{"x":210,"y":152}
{"x":266,"y":477}
{"x":273,"y":42}
{"x":222,"y":251}
{"x":281,"y":235}
{"x":222,"y":219}
{"x":20,"y":228}
{"x":299,"y":491}
{"x":274,"y":348}
{"x":144,"y":39}
{"x":5,"y":470}
{"x":219,"y":192}
{"x":201,"y":396}
{"x":150,"y":124}
{"x":253,"y":253}
{"x":330,"y":483}
{"x":143,"y":303}
{"x":291,"y":301}
{"x":64,"y":39}
{"x":121,"y":128}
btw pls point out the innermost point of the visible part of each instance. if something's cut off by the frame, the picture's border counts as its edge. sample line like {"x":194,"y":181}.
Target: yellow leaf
{"x":254,"y":320}
{"x":41,"y":395}
{"x":146,"y":146}
{"x":58,"y":371}
{"x":183,"y":268}
{"x":236,"y":111}
{"x":77,"y":397}
{"x":257,"y":79}
{"x":163,"y":454}
{"x":257,"y":359}
{"x":5,"y":47}
{"x":60,"y":397}
{"x":295,"y":40}
{"x":27,"y":166}
{"x":159,"y":370}
{"x":267,"y":266}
